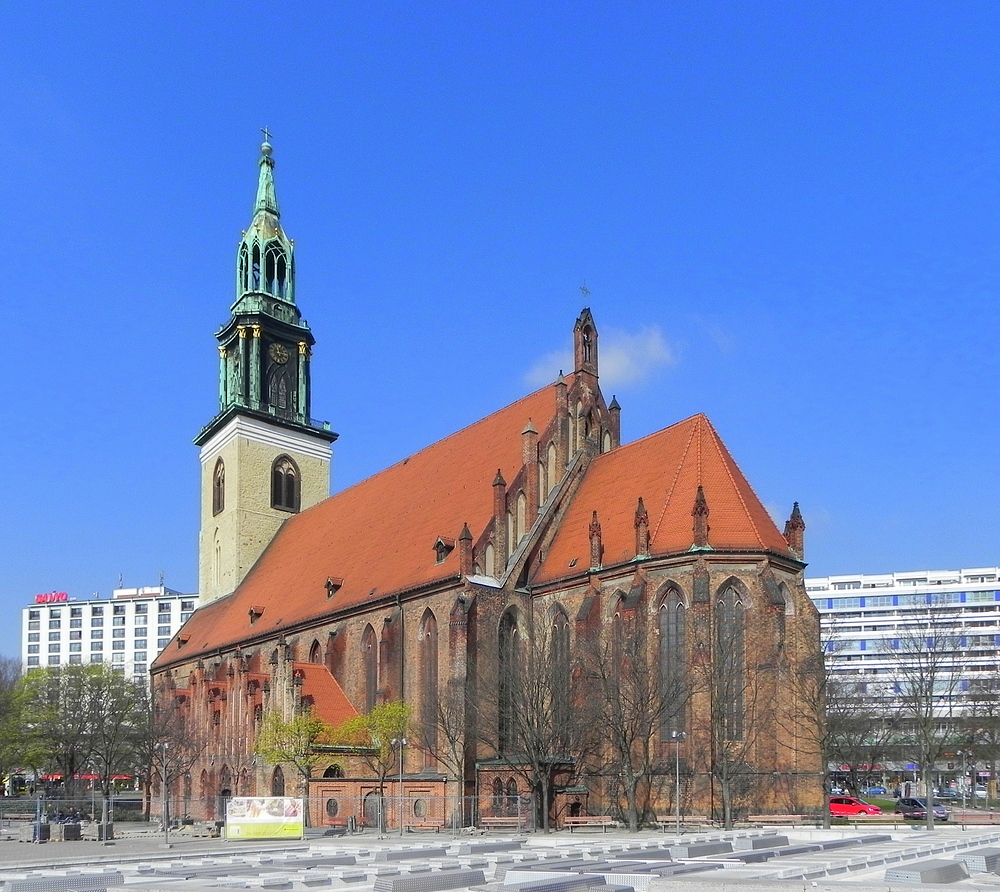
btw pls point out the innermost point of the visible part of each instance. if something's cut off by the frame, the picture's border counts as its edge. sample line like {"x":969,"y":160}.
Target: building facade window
{"x":219,"y":488}
{"x":730,"y":659}
{"x":428,"y":643}
{"x":672,"y":663}
{"x":369,"y":667}
{"x":285,"y":484}
{"x":510,"y":676}
{"x":560,"y":671}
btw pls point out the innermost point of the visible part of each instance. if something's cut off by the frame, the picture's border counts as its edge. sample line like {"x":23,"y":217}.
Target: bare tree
{"x":171,"y":745}
{"x":924,"y":665}
{"x":863,"y":722}
{"x":531,"y":728}
{"x":738,"y":703}
{"x":442,"y":732}
{"x":637,"y":700}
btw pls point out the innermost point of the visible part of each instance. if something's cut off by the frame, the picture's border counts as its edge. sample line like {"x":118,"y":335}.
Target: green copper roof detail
{"x":266,"y":199}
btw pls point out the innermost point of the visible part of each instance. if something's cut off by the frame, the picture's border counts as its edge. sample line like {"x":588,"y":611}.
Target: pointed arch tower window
{"x":275,"y":269}
{"x":285,"y":484}
{"x":219,"y":487}
{"x":244,"y":268}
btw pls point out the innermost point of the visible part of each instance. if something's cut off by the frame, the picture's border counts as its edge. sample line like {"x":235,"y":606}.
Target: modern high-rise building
{"x":875,"y":626}
{"x":127,"y":630}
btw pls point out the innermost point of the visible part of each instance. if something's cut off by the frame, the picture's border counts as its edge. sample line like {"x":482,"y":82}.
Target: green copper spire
{"x":266,"y":199}
{"x":265,"y":267}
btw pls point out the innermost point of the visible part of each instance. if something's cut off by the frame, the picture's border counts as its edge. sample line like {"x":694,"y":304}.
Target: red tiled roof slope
{"x":665,"y":469}
{"x":330,"y":703}
{"x":378,"y":535}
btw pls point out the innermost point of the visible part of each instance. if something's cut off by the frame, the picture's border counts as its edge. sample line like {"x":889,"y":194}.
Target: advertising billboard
{"x":264,"y":817}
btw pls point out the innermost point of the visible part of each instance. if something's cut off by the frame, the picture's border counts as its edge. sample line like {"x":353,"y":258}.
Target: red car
{"x":841,"y":806}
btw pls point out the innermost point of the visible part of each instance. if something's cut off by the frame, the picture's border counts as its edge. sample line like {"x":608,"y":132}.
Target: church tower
{"x":262,"y":456}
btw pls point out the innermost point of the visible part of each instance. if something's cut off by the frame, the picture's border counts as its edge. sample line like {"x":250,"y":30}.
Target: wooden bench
{"x":666,"y":824}
{"x":785,"y":819}
{"x":503,"y":822}
{"x":602,"y":821}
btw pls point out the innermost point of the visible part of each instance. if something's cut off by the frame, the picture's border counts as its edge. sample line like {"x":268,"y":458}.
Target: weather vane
{"x":584,"y":291}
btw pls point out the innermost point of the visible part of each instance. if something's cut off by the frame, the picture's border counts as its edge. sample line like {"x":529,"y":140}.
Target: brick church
{"x":531,"y":551}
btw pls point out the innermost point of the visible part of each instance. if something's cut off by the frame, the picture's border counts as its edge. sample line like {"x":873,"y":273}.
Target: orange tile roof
{"x":330,"y":703}
{"x":665,"y":469}
{"x":378,"y":535}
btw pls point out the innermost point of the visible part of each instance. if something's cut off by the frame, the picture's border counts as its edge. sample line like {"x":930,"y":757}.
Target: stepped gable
{"x":329,"y":701}
{"x":378,"y":536}
{"x":665,"y":469}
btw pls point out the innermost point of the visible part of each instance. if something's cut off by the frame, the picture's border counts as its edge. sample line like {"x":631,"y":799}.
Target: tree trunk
{"x":928,"y":793}
{"x":305,"y":801}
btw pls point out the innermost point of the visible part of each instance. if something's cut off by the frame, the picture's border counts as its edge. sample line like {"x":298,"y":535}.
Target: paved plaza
{"x":791,"y":857}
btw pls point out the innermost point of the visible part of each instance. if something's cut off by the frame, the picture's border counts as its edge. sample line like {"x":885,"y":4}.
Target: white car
{"x":980,"y":791}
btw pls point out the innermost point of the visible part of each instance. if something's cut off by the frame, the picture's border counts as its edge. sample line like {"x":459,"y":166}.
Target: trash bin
{"x":100,"y":832}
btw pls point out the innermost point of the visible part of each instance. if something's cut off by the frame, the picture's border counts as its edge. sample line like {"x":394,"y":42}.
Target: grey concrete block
{"x":935,"y":870}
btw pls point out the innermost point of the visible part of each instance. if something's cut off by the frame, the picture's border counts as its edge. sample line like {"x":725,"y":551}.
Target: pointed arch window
{"x":560,"y":671}
{"x":429,"y":684}
{"x":522,"y":517}
{"x":219,"y":488}
{"x":285,"y":484}
{"x":278,"y":782}
{"x":244,"y":267}
{"x":275,"y":269}
{"x":550,"y":469}
{"x":255,"y":279}
{"x":316,"y":653}
{"x":672,"y":663}
{"x":730,"y":661}
{"x":369,"y":667}
{"x":510,"y":677}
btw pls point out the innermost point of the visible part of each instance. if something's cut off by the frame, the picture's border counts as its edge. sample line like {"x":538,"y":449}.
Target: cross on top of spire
{"x":267,"y":134}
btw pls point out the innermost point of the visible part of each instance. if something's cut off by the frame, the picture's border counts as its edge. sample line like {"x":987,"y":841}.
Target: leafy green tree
{"x":118,"y":725}
{"x":56,"y":713}
{"x":293,"y":742}
{"x":376,"y":737}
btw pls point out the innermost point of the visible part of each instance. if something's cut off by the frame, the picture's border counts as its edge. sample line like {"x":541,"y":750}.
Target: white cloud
{"x":624,"y":357}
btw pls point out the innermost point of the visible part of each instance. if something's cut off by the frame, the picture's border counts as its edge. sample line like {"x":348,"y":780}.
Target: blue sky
{"x":786,"y":215}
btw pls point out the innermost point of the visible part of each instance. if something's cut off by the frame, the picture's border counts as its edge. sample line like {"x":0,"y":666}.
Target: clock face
{"x":279,"y":353}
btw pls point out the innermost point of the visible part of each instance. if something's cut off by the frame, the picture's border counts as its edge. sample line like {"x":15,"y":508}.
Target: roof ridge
{"x":677,"y":471}
{"x":717,"y":440}
{"x":430,"y":446}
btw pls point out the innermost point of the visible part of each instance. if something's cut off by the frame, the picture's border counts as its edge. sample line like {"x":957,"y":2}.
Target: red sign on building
{"x":51,"y":598}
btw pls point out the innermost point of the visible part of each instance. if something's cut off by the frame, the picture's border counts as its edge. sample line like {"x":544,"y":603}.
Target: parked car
{"x":980,"y":791}
{"x":874,"y":791}
{"x":948,"y":794}
{"x":911,"y":807}
{"x":842,"y":806}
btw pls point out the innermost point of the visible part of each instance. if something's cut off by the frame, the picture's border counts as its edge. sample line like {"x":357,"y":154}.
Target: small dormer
{"x":442,"y":548}
{"x":333,"y":585}
{"x":256,"y":612}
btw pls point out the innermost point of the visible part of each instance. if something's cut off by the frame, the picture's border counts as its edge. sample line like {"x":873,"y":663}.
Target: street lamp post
{"x":677,"y":736}
{"x":400,"y":742}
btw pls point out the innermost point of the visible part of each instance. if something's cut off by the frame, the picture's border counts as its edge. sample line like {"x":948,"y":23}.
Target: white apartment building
{"x":870,"y":623}
{"x":127,"y":630}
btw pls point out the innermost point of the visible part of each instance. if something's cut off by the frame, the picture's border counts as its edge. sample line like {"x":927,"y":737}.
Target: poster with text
{"x":264,"y":817}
